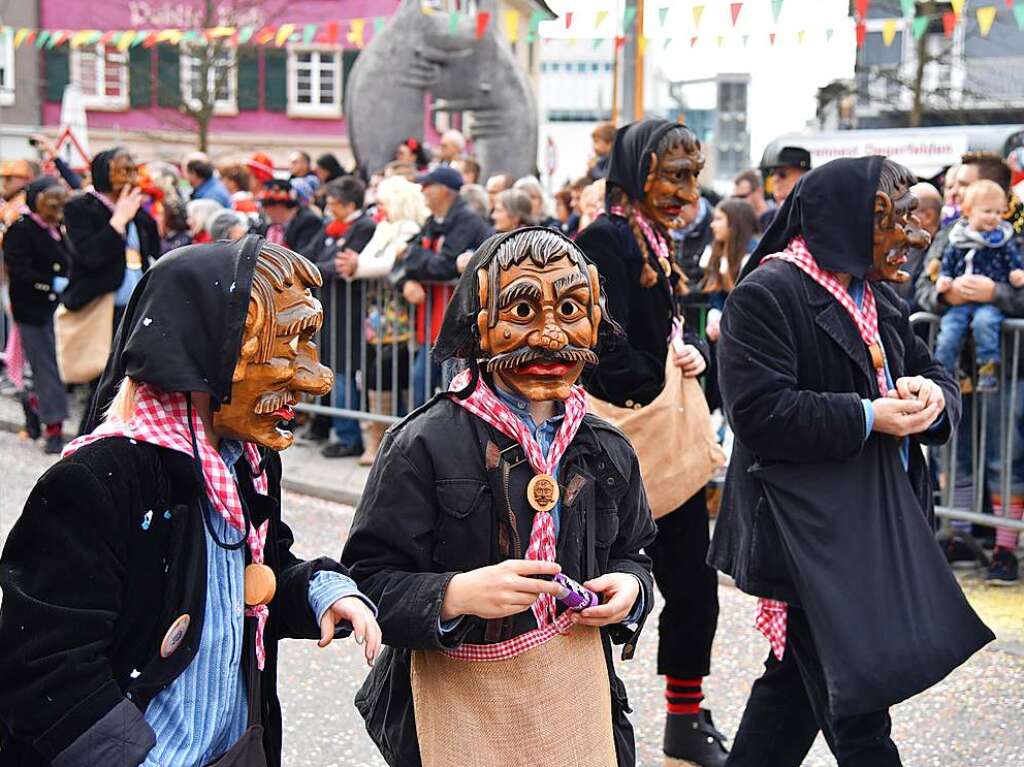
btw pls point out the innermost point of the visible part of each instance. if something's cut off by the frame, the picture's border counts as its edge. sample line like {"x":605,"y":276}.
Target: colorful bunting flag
{"x":986,"y":15}
{"x":535,"y":19}
{"x":628,"y":17}
{"x":641,"y":44}
{"x":958,"y":6}
{"x":919,"y":26}
{"x":734,"y":9}
{"x":598,"y":42}
{"x":862,"y":8}
{"x":19,"y":37}
{"x":771,"y":39}
{"x":599,"y":19}
{"x":245,"y":34}
{"x":888,"y":31}
{"x":215,"y":32}
{"x":568,"y":19}
{"x":667,"y":43}
{"x":378,"y":25}
{"x":512,"y":26}
{"x":620,"y":41}
{"x":693,"y":41}
{"x":662,"y":15}
{"x":862,"y":32}
{"x":453,"y":22}
{"x":948,"y":23}
{"x":483,"y":18}
{"x":800,"y":37}
{"x":746,"y":39}
{"x":909,"y":7}
{"x":357,"y":28}
{"x":698,"y":11}
{"x":1018,"y":14}
{"x":828,"y":34}
{"x":44,"y":38}
{"x":331,"y":32}
{"x":283,"y":33}
{"x":776,"y":9}
{"x":309,"y":33}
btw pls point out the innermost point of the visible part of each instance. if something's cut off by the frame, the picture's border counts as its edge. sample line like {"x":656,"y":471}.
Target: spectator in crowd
{"x":785,"y":165}
{"x":300,"y":166}
{"x":497,"y":184}
{"x":749,"y":186}
{"x":204,"y":182}
{"x":238,"y":181}
{"x":977,"y":288}
{"x":451,"y":230}
{"x":602,"y":138}
{"x":261,"y":167}
{"x":198,"y":213}
{"x":950,"y":210}
{"x":411,"y":151}
{"x":328,"y":168}
{"x":403,"y":212}
{"x":287,"y":222}
{"x":734,"y":237}
{"x":36,"y":257}
{"x":512,"y":209}
{"x":476,"y":197}
{"x":336,"y":254}
{"x":929,"y":215}
{"x":15,"y":176}
{"x":406,"y":170}
{"x":568,"y":219}
{"x":176,"y":229}
{"x":453,"y":144}
{"x":470,"y":170}
{"x":591,"y":203}
{"x":539,"y":200}
{"x":227,"y":225}
{"x":113,"y":240}
{"x":693,"y":240}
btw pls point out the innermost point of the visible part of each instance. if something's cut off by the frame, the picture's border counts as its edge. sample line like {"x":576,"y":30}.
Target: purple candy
{"x":574,"y":595}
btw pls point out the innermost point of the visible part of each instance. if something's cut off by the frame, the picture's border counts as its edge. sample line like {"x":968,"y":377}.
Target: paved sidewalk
{"x":340,"y":480}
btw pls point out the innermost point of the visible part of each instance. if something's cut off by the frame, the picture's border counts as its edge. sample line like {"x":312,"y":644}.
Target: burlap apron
{"x":548,"y":706}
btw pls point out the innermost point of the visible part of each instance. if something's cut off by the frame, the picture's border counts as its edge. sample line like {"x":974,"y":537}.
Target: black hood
{"x":36,"y":188}
{"x":182,"y":328}
{"x":631,"y":152}
{"x":99,"y":170}
{"x":833,"y":207}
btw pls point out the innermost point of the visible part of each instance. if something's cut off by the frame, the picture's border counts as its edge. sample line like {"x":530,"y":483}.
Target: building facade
{"x":19,"y":81}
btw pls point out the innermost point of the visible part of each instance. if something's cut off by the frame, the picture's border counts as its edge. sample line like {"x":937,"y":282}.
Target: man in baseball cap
{"x":782,"y":167}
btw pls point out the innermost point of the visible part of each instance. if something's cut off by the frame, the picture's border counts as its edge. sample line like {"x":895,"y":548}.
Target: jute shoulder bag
{"x":672,"y":438}
{"x":84,"y":338}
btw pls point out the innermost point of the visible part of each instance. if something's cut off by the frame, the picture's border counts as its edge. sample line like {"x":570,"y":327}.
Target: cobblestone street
{"x":972,"y":719}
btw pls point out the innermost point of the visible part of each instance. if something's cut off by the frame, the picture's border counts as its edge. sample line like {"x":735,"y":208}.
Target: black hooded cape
{"x":631,"y":152}
{"x":833,"y":207}
{"x":182,"y":328}
{"x":36,"y":188}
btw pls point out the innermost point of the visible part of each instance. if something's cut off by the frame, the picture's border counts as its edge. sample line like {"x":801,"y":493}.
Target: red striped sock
{"x":55,"y":429}
{"x":683,"y":696}
{"x":1007,"y":538}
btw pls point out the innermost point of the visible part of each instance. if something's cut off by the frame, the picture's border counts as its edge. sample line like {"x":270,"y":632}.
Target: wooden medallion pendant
{"x":260,"y":585}
{"x":542,"y":492}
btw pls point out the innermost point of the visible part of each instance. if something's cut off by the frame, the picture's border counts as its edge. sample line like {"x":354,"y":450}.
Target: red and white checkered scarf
{"x":161,"y":418}
{"x":485,"y":404}
{"x":772,"y":614}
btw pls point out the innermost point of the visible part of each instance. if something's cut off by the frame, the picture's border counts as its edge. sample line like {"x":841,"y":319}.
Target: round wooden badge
{"x":260,"y":585}
{"x":542,"y":492}
{"x":175,"y":635}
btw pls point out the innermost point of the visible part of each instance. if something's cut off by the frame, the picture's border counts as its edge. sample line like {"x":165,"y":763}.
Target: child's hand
{"x":943,"y":284}
{"x":620,"y":591}
{"x":364,"y":625}
{"x":1017,"y":278}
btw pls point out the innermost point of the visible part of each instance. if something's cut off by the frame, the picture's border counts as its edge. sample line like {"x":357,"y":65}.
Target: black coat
{"x":793,"y":372}
{"x":462,"y":229}
{"x":632,"y":370}
{"x":98,"y":250}
{"x":303,"y":230}
{"x":432,"y":508}
{"x":88,"y":595}
{"x":33,"y":258}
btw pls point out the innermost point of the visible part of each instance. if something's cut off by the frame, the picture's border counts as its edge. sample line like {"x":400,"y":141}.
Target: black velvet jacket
{"x":793,"y":372}
{"x":97,"y":253}
{"x":88,"y":595}
{"x":33,"y":258}
{"x":435,"y":505}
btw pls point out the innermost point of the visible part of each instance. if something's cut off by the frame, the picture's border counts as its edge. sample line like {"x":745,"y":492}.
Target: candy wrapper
{"x":574,"y":595}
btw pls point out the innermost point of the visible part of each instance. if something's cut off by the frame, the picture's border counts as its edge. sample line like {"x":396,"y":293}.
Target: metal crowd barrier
{"x":976,"y":408}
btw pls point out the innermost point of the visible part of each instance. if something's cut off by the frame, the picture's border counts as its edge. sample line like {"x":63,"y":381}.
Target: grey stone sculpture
{"x":417,"y":54}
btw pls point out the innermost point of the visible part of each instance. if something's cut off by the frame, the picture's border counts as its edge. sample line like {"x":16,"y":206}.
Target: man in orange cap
{"x":15,"y":175}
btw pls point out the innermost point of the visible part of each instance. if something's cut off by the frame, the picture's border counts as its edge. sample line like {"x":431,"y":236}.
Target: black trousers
{"x":689,"y":617}
{"x":789,"y":705}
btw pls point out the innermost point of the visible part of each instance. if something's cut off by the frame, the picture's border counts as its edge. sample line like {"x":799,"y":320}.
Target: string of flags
{"x":515,"y":26}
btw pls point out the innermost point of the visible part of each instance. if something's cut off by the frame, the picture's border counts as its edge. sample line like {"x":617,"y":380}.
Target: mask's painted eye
{"x":522,"y":311}
{"x":569,"y":310}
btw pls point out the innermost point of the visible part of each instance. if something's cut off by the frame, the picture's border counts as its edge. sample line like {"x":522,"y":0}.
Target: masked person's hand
{"x":364,"y":625}
{"x":619,"y":590}
{"x":903,"y":417}
{"x":920,"y":388}
{"x":500,"y":590}
{"x":690,"y":361}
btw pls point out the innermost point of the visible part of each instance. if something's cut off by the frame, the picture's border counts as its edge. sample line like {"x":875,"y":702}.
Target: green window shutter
{"x":248,"y":78}
{"x":348,"y":60}
{"x":275,"y":73}
{"x":140,"y":83}
{"x":168,"y":76}
{"x":58,"y":72}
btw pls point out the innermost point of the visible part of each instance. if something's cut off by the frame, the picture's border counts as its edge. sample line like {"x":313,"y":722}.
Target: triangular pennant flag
{"x":309,"y":33}
{"x":44,"y":38}
{"x":79,"y":38}
{"x":720,"y":40}
{"x":107,"y":37}
{"x":776,"y":9}
{"x":127,"y":38}
{"x":919,"y":26}
{"x":862,"y":32}
{"x":535,"y":19}
{"x":746,"y":39}
{"x":800,"y":37}
{"x":378,"y":25}
{"x":512,"y":26}
{"x":771,"y":38}
{"x":948,"y":23}
{"x":986,"y":15}
{"x":667,"y":43}
{"x":958,"y":6}
{"x":828,"y":34}
{"x":483,"y":18}
{"x":862,"y":8}
{"x":1009,"y":3}
{"x":909,"y":6}
{"x":1018,"y":14}
{"x":628,"y":16}
{"x":453,"y":22}
{"x":620,"y":40}
{"x":599,"y":19}
{"x":568,"y":19}
{"x":189,"y":36}
{"x":573,"y":41}
{"x":698,"y":11}
{"x":215,"y":32}
{"x":662,"y":15}
{"x":693,"y":41}
{"x":283,"y":33}
{"x":357,"y":28}
{"x":734,"y":9}
{"x":140,"y":38}
{"x":888,"y":31}
{"x":331,"y":32}
{"x":19,"y":37}
{"x":597,"y":42}
{"x":641,"y":44}
{"x":55,"y":38}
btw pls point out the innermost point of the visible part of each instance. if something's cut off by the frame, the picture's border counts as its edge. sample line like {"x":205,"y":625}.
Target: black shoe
{"x":959,"y":555}
{"x":54,"y":444}
{"x":694,"y":738}
{"x":1004,"y":570}
{"x":33,"y":427}
{"x":339,"y":450}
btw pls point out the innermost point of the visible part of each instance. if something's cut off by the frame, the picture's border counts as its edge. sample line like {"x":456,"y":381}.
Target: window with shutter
{"x":275,"y":72}
{"x":248,"y":78}
{"x":314,"y":81}
{"x":140,"y":77}
{"x":101,"y":71}
{"x":221,"y":83}
{"x":168,"y":76}
{"x":57,"y":72}
{"x":7,"y":67}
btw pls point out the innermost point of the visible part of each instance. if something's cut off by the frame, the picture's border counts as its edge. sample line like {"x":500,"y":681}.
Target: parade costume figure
{"x":653,"y":174}
{"x":150,"y":576}
{"x":827,"y":508}
{"x":499,"y":479}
